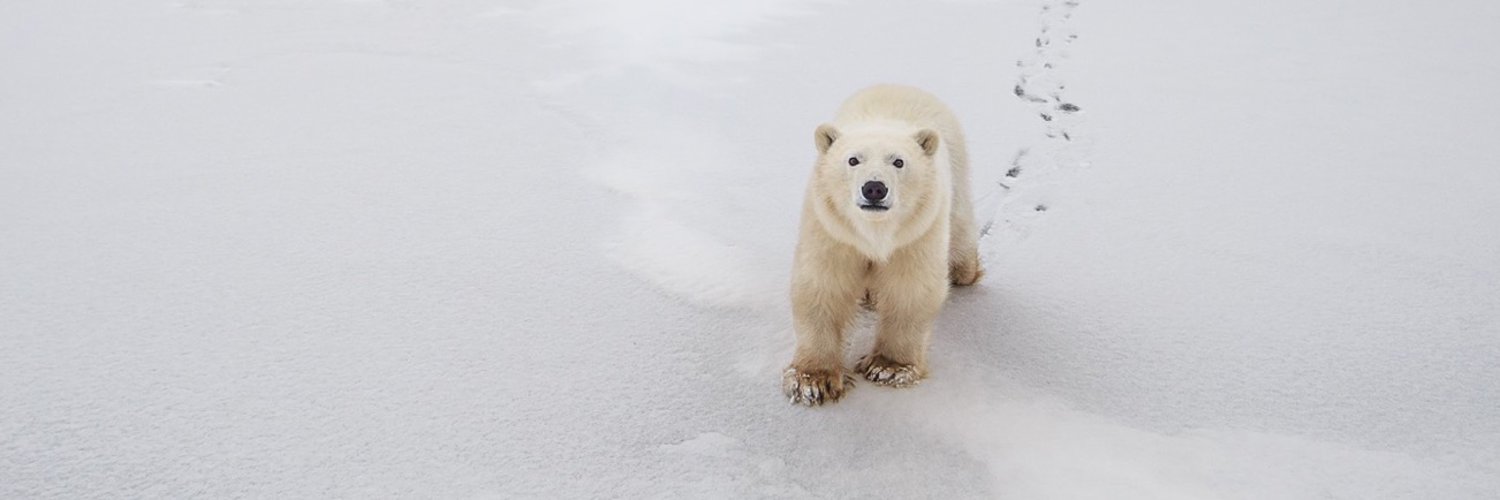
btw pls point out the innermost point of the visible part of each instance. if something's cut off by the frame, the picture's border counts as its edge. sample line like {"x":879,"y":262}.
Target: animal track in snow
{"x":1039,"y":82}
{"x":1038,"y":168}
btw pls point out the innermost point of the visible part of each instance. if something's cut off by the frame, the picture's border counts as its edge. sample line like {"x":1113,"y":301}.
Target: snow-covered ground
{"x":465,"y":248}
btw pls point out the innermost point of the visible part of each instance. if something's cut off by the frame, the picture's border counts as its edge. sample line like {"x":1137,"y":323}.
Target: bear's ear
{"x":824,"y":136}
{"x":928,"y":139}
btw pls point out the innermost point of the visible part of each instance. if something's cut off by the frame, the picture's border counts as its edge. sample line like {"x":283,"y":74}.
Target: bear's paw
{"x":814,"y":388}
{"x":883,"y":371}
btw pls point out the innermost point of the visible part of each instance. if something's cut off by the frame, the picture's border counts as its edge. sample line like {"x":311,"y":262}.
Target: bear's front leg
{"x":910,"y":290}
{"x":825,"y":293}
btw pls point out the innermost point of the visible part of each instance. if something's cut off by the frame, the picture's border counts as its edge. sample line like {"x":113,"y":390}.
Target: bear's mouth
{"x":873,"y":207}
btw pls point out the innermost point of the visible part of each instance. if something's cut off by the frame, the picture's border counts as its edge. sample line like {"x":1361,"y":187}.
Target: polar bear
{"x":888,"y":218}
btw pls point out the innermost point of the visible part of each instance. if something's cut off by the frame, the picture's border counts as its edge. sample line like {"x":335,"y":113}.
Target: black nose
{"x":874,"y":190}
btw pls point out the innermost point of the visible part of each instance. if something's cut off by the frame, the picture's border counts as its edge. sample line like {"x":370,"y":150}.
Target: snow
{"x":474,"y":249}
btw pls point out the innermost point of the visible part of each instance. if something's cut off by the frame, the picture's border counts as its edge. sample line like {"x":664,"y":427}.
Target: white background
{"x":454,"y":249}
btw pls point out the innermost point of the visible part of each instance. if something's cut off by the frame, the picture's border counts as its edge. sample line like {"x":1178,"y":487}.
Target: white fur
{"x":903,"y":257}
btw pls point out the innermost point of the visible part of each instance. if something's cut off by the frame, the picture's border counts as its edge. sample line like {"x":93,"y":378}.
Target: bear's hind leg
{"x":964,"y":268}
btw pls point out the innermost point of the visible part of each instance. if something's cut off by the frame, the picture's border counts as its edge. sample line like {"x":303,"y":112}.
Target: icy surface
{"x":456,"y":249}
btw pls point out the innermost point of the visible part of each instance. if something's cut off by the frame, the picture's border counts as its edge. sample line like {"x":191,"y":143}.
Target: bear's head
{"x":878,"y":173}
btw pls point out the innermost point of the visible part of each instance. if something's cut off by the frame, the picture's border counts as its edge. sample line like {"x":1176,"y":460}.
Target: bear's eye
{"x":898,"y":163}
{"x":853,"y":161}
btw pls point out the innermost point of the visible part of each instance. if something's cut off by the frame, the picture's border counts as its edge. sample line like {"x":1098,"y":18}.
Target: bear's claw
{"x":814,"y":388}
{"x":883,"y":371}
